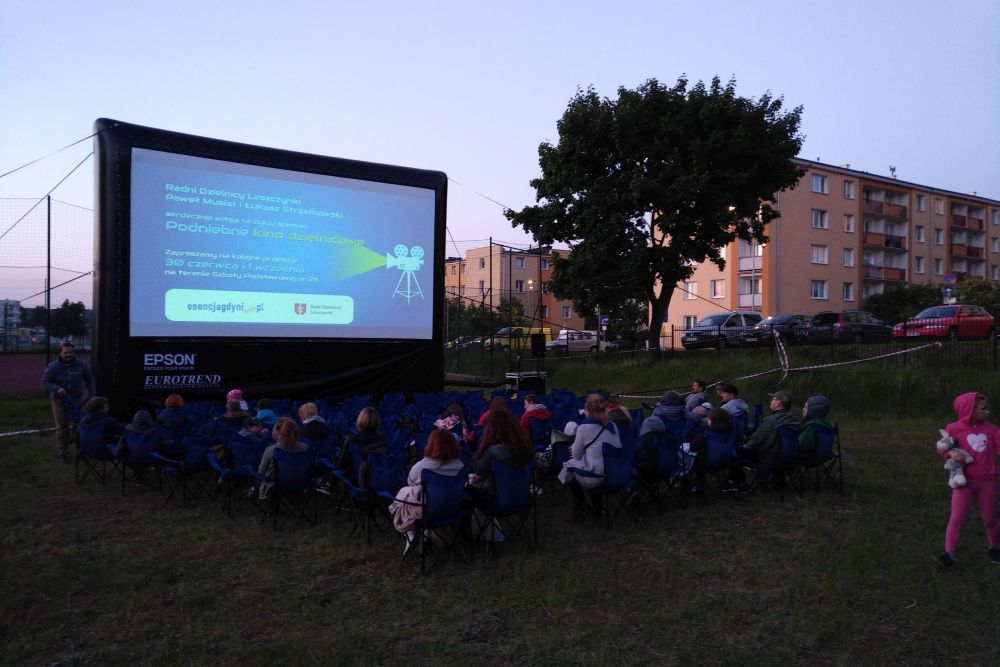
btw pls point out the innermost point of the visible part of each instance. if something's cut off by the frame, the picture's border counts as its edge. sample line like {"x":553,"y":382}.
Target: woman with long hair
{"x":286,"y":436}
{"x":369,"y":437}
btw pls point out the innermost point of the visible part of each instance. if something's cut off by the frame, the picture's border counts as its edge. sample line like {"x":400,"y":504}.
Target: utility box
{"x":531,"y":381}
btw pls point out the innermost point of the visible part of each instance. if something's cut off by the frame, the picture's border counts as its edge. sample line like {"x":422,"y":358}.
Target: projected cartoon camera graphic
{"x":408,"y":265}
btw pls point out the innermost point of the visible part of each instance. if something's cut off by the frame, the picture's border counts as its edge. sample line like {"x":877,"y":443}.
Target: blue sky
{"x":472,"y":88}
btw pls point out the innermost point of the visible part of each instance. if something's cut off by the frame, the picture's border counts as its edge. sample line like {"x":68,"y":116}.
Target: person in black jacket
{"x":66,"y":379}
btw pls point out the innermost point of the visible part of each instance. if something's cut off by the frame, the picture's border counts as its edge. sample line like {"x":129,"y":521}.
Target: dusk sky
{"x":471,"y":89}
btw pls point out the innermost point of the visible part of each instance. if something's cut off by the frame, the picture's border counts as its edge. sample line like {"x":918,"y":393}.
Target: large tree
{"x":644,"y":187}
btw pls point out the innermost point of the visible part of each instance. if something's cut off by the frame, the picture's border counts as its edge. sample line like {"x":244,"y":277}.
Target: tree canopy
{"x":644,"y":187}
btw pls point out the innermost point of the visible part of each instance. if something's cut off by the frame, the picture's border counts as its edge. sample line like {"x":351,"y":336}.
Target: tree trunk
{"x":658,"y":307}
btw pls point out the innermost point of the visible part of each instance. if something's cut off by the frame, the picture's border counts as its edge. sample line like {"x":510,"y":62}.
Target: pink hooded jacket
{"x":982,"y":440}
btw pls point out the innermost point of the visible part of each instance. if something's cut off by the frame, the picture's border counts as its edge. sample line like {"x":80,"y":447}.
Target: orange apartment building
{"x":844,"y":235}
{"x":487,"y":274}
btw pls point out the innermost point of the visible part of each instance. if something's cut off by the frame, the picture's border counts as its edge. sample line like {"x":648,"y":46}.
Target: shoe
{"x":945,"y":559}
{"x":994,"y":555}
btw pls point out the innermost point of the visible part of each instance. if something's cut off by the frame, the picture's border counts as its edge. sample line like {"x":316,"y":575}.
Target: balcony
{"x":974,"y":253}
{"x":751,"y":263}
{"x":975,"y":224}
{"x":873,"y":206}
{"x":895,"y":210}
{"x":750,"y":300}
{"x":958,"y":250}
{"x":871,"y":238}
{"x":873,"y":272}
{"x":957,"y":220}
{"x":897,"y":242}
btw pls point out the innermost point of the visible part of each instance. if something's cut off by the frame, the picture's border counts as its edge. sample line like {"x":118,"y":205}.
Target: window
{"x":939,"y":206}
{"x":918,"y":264}
{"x":819,"y":219}
{"x":545,"y":287}
{"x":995,"y":272}
{"x":819,"y":183}
{"x":994,"y":244}
{"x":519,"y":262}
{"x":918,"y":233}
{"x":818,"y":254}
{"x":454,"y":269}
{"x":995,"y":217}
{"x":545,"y":312}
{"x":938,"y":267}
{"x":519,"y":286}
{"x":848,"y":291}
{"x":938,"y":236}
{"x":482,"y":287}
{"x":849,"y":223}
{"x":545,"y":264}
{"x":690,"y":321}
{"x":690,"y":290}
{"x":565,"y":312}
{"x":921,"y":202}
{"x":463,"y":268}
{"x":718,"y":288}
{"x":818,"y":289}
{"x":848,"y":256}
{"x":463,"y":290}
{"x":848,"y":189}
{"x":482,"y":262}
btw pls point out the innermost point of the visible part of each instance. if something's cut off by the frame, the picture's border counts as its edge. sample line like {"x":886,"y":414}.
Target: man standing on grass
{"x":66,"y":379}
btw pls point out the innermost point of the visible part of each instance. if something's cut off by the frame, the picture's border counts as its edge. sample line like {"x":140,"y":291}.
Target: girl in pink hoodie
{"x":973,"y":434}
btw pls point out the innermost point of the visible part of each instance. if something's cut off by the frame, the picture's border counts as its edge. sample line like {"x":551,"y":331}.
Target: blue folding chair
{"x":827,"y":458}
{"x":444,"y":517}
{"x":138,"y":456}
{"x":541,"y":432}
{"x":512,"y":504}
{"x":294,"y":488}
{"x":187,"y":472}
{"x":93,"y":453}
{"x":717,"y":459}
{"x":776,"y":475}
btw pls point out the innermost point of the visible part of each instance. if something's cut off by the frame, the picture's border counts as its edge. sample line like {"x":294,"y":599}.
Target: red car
{"x":951,"y":322}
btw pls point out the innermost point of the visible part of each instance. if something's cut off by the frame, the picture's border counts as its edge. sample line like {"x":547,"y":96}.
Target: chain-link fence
{"x":45,"y":243}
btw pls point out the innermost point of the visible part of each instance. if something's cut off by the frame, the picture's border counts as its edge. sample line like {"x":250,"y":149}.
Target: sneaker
{"x":994,"y":555}
{"x":945,"y":559}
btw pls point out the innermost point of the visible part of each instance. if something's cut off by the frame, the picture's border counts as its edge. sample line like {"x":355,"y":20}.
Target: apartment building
{"x":494,"y":272}
{"x":845,"y":235}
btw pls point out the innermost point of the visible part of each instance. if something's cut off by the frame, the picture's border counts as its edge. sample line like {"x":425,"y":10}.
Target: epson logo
{"x":169,"y":359}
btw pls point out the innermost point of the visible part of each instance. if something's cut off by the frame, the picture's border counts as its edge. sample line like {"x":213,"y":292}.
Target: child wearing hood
{"x":981,"y":439}
{"x":814,"y":413}
{"x":142,"y":423}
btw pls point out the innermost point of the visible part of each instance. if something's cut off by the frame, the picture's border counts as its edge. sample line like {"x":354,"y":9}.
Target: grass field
{"x":89,"y":577}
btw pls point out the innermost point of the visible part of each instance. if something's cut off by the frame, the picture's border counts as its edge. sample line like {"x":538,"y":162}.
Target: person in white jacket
{"x":587,"y":452}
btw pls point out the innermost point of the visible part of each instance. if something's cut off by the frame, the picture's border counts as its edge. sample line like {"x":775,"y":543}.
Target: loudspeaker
{"x":538,"y":345}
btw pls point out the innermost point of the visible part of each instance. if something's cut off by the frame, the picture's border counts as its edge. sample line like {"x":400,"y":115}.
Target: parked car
{"x":720,"y":330}
{"x":848,"y":326}
{"x":516,"y":338}
{"x":791,"y":328}
{"x":578,"y":341}
{"x":464,"y":343}
{"x":951,"y":322}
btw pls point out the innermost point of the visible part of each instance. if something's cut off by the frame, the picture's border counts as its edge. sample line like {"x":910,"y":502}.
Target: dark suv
{"x":720,"y":330}
{"x":849,"y":326}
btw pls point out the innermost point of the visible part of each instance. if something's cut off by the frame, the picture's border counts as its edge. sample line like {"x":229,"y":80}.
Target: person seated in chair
{"x":497,"y":403}
{"x":369,"y":437}
{"x":814,"y":413}
{"x":505,"y":441}
{"x":764,"y":446}
{"x":697,"y":396}
{"x":253,"y":432}
{"x":533,"y":410}
{"x":232,"y":418}
{"x":314,"y":427}
{"x":286,"y":436}
{"x":142,"y":424}
{"x":172,"y":417}
{"x":95,"y":413}
{"x":587,"y":454}
{"x":731,"y":401}
{"x":265,"y":412}
{"x":669,"y":414}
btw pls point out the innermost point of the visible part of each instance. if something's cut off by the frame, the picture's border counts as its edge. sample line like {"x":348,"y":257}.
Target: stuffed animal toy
{"x":956,"y":469}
